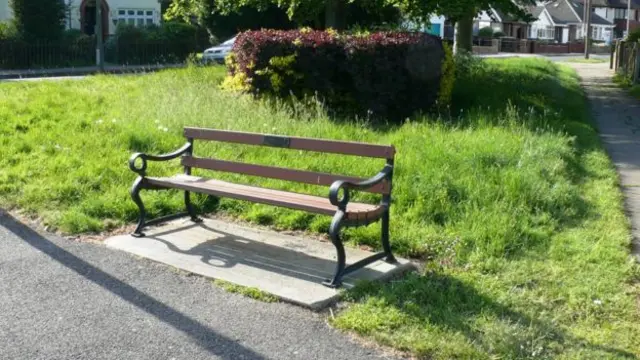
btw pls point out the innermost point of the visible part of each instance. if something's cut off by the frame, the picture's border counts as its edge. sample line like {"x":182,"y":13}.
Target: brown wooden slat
{"x":298,"y":143}
{"x":310,"y":203}
{"x":302,"y":176}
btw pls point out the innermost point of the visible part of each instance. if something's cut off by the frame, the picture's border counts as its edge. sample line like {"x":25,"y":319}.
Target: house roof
{"x":561,"y":12}
{"x":635,"y":4}
{"x":535,"y":11}
{"x":564,"y":12}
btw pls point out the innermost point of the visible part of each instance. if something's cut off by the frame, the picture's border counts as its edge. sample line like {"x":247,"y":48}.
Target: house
{"x":616,"y":12}
{"x":436,"y":26}
{"x":563,"y":21}
{"x":560,"y":21}
{"x":81,"y":14}
{"x":508,"y":24}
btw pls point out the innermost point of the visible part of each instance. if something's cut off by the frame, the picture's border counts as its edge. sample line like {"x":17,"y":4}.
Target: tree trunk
{"x":464,"y":34}
{"x":335,"y":14}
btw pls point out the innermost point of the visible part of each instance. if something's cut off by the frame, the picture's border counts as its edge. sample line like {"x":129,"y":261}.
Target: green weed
{"x":507,"y":194}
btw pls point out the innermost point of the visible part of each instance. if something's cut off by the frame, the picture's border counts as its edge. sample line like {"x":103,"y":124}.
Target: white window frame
{"x":546,"y":33}
{"x":597,"y":33}
{"x":136,"y":17}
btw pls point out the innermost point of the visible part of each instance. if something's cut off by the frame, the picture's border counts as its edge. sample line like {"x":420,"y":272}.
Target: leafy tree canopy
{"x":38,"y":19}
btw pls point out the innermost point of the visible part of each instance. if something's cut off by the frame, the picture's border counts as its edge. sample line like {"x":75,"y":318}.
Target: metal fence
{"x":626,"y":60}
{"x":81,"y":52}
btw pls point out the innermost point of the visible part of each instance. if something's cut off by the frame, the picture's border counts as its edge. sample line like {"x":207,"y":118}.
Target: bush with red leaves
{"x":388,"y":75}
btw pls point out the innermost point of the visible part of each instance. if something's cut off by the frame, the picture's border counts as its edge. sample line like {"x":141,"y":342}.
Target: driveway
{"x":62,"y":299}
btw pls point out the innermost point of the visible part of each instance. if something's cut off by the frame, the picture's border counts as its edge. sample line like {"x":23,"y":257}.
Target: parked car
{"x":218,"y":53}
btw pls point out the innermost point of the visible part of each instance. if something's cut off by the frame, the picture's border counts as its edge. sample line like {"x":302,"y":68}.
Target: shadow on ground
{"x":444,"y":302}
{"x":215,"y":343}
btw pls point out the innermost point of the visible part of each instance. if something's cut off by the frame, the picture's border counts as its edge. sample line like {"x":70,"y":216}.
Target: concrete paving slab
{"x":289,"y":267}
{"x":617,"y":116}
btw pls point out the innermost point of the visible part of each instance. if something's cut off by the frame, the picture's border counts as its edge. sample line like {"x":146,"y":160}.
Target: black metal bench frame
{"x":339,"y":190}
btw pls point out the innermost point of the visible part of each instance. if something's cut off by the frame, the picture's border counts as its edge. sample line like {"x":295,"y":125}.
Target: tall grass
{"x":507,"y":194}
{"x":494,"y":181}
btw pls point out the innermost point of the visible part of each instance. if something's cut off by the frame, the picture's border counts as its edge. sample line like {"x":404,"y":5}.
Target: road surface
{"x":62,"y":299}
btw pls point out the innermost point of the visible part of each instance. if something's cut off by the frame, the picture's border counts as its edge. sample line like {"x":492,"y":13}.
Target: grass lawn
{"x":509,"y":197}
{"x":588,"y":61}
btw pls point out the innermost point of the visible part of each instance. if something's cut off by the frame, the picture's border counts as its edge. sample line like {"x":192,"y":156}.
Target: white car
{"x":218,"y":53}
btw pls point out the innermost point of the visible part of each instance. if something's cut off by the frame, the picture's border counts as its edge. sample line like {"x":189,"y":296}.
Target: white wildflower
{"x":597,"y":302}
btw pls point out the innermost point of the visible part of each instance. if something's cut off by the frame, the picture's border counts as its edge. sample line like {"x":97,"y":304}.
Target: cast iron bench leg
{"x":385,"y":238}
{"x":190,"y":209}
{"x":334,"y":232}
{"x":135,"y":195}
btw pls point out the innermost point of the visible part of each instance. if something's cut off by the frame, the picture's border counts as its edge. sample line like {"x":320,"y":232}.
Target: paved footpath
{"x":617,"y":116}
{"x":61,"y":299}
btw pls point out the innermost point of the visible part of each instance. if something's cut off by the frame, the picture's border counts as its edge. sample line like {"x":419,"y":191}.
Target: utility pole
{"x":587,"y":35}
{"x":628,"y":17}
{"x":99,"y":40}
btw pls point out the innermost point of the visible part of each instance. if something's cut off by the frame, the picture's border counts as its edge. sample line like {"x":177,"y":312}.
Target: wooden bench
{"x":344,"y":212}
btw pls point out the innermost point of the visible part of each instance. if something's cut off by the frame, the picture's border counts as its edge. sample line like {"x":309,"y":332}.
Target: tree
{"x":334,"y":12}
{"x":462,"y":13}
{"x":337,"y":14}
{"x":38,"y":19}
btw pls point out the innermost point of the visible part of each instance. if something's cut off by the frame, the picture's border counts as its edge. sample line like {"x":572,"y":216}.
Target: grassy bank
{"x":626,"y":83}
{"x":635,"y":91}
{"x":509,"y":196}
{"x":588,"y":61}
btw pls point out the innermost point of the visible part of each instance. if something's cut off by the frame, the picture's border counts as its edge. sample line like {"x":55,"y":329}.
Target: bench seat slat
{"x":310,"y":203}
{"x":298,"y":143}
{"x":302,"y":176}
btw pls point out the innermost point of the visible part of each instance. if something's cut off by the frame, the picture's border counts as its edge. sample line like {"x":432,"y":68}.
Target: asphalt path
{"x":62,"y":299}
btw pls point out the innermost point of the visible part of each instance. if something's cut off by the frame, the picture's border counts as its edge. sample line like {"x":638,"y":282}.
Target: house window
{"x":135,"y":17}
{"x":596,"y":33}
{"x":546,"y":32}
{"x":620,"y":14}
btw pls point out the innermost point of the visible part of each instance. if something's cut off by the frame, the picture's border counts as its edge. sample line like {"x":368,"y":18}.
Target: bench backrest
{"x":296,"y":143}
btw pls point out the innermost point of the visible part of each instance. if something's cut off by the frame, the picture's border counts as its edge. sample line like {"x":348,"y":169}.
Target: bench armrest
{"x":164,"y":157}
{"x":345,"y":186}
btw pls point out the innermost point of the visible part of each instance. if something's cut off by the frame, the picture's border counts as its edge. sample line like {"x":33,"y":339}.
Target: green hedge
{"x":387,"y":75}
{"x":172,"y":42}
{"x":168,"y":43}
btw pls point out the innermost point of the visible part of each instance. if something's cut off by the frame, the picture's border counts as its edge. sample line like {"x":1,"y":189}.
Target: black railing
{"x":19,"y":54}
{"x":81,"y":52}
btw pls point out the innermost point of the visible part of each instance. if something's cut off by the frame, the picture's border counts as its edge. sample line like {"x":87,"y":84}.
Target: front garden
{"x":506,"y":195}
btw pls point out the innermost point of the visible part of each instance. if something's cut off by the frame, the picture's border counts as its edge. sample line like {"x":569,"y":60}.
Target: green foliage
{"x":172,"y":42}
{"x":557,"y":300}
{"x":223,"y":26}
{"x":280,"y":73}
{"x":448,"y":79}
{"x":485,"y":32}
{"x":250,"y":292}
{"x":511,"y":201}
{"x":499,"y":34}
{"x":634,"y":35}
{"x":8,"y":30}
{"x":37,"y":20}
{"x":380,"y":76}
{"x":236,"y":81}
{"x":72,"y":48}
